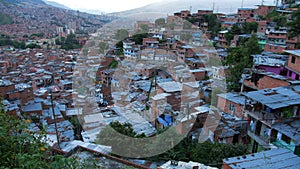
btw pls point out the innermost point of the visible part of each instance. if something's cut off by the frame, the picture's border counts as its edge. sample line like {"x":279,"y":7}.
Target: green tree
{"x":213,"y":153}
{"x":33,"y":45}
{"x":229,"y":36}
{"x":252,"y":46}
{"x":295,"y":23}
{"x":119,"y":47}
{"x":19,"y":45}
{"x":249,"y":27}
{"x":121,"y":141}
{"x":144,"y":28}
{"x":20,"y":148}
{"x":238,"y":59}
{"x":160,"y":22}
{"x":207,"y":153}
{"x":77,"y":127}
{"x":70,"y":42}
{"x":113,"y":64}
{"x":138,"y":38}
{"x":57,"y":41}
{"x":121,"y":34}
{"x":236,"y":30}
{"x":274,"y":16}
{"x":192,"y":20}
{"x":214,"y":25}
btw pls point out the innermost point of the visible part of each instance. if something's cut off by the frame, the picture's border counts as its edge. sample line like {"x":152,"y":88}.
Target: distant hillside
{"x":171,"y":6}
{"x":55,"y":4}
{"x":27,"y":17}
{"x":40,"y":2}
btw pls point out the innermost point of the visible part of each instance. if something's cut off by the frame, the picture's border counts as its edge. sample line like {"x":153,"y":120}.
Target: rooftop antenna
{"x":242,"y":3}
{"x":191,"y":8}
{"x":262,"y":2}
{"x":213,"y":8}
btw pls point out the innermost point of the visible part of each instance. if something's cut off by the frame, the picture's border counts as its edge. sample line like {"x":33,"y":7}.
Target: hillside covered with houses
{"x":225,"y":86}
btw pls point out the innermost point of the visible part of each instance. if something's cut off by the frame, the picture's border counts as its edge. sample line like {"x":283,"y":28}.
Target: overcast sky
{"x":121,"y":5}
{"x":105,"y":5}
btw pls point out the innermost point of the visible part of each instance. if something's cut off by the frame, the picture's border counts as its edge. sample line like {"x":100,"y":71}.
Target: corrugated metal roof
{"x":276,"y":158}
{"x":290,"y":129}
{"x":277,"y":97}
{"x":234,"y":97}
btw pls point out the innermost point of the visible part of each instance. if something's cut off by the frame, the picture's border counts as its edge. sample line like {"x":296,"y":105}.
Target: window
{"x":293,"y":59}
{"x":232,"y":108}
{"x":290,"y":73}
{"x":286,"y":139}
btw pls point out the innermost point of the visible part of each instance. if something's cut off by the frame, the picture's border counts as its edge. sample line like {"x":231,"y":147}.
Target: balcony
{"x":261,"y":140}
{"x":263,"y":116}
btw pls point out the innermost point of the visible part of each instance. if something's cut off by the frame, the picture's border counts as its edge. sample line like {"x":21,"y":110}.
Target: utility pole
{"x":53,"y":113}
{"x":54,"y":118}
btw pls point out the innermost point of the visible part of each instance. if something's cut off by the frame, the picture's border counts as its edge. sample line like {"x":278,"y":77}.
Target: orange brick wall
{"x":5,"y":89}
{"x":224,"y":105}
{"x":266,"y":82}
{"x":221,"y":103}
{"x":296,"y":65}
{"x":269,"y":82}
{"x":275,"y":49}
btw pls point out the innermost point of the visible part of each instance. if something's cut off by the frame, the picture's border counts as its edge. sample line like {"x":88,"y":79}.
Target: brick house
{"x":292,"y":42}
{"x":222,"y":41}
{"x":183,"y":14}
{"x":174,"y":89}
{"x":204,"y":12}
{"x":275,"y":48}
{"x":262,"y":27}
{"x":246,"y":14}
{"x":268,"y":107}
{"x":264,"y":80}
{"x":151,"y":42}
{"x":263,"y":10}
{"x":293,"y":66}
{"x":231,"y":103}
{"x":5,"y":87}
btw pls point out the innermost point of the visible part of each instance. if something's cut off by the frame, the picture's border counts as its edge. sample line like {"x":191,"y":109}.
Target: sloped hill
{"x":36,"y":17}
{"x":55,"y":4}
{"x":170,"y":6}
{"x":35,"y":2}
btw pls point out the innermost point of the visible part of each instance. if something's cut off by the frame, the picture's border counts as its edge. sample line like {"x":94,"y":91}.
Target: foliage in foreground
{"x":22,"y":149}
{"x":187,"y":150}
{"x":206,"y":153}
